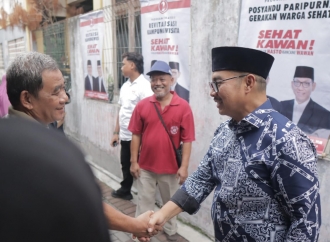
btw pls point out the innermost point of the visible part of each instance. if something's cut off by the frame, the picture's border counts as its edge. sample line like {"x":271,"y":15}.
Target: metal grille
{"x":15,"y":47}
{"x":2,"y":64}
{"x":122,"y":34}
{"x":54,"y":39}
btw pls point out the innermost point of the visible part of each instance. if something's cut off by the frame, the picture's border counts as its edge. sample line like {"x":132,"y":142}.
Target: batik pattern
{"x":264,"y":173}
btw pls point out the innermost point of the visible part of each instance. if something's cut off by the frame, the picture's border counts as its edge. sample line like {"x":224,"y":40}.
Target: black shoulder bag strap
{"x":178,"y":156}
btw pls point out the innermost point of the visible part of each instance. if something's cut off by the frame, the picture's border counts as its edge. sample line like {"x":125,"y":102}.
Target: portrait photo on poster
{"x":298,"y":84}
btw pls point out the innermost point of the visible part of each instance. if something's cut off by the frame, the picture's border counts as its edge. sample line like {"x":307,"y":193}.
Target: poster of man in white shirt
{"x":310,"y":117}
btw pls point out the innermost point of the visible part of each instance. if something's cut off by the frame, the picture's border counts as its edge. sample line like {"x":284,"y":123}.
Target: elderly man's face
{"x":161,"y":84}
{"x":302,"y":88}
{"x":49,"y":105}
{"x":230,"y":94}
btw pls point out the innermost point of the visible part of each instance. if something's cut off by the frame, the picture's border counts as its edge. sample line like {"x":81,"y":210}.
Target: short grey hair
{"x":261,"y":86}
{"x":261,"y":83}
{"x":25,"y":73}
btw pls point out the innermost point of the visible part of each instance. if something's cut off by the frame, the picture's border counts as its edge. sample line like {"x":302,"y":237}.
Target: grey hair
{"x":259,"y":79}
{"x":25,"y":73}
{"x":262,"y":83}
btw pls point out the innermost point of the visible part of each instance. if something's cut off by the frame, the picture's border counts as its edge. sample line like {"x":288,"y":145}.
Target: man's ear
{"x":133,"y":67}
{"x":250,"y":82}
{"x":313,"y":86}
{"x":172,"y":80}
{"x":25,"y":99}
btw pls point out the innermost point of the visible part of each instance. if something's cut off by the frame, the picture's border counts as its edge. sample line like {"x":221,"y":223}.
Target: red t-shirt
{"x":157,"y":154}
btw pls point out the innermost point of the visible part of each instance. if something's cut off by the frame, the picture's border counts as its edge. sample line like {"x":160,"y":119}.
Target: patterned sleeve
{"x":197,"y":186}
{"x":296,"y":186}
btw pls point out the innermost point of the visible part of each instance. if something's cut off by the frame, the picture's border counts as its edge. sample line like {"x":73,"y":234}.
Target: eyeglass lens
{"x":304,"y":84}
{"x":213,"y":86}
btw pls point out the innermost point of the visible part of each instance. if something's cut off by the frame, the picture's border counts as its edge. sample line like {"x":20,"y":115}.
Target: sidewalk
{"x":128,"y":208}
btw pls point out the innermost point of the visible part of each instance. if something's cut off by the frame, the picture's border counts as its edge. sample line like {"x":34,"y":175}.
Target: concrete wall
{"x":91,"y":122}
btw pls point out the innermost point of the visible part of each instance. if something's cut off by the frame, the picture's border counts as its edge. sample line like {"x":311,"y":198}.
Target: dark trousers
{"x":125,"y":159}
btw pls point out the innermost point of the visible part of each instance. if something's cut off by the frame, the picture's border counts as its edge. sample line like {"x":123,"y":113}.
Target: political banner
{"x":92,"y":32}
{"x":165,"y":30}
{"x":296,"y":34}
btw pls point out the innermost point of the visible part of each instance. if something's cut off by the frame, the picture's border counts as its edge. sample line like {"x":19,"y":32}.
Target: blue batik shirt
{"x":264,"y":173}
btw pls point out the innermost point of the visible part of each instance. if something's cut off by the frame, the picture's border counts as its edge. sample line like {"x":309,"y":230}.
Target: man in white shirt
{"x":307,"y":114}
{"x":132,"y":91}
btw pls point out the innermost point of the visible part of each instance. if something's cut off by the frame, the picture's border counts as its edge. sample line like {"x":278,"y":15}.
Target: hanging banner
{"x":165,"y":30}
{"x":92,"y":31}
{"x":297,"y":35}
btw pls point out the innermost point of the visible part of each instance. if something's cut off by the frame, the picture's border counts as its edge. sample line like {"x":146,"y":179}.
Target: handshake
{"x":148,"y":224}
{"x":154,"y":221}
{"x":144,"y":226}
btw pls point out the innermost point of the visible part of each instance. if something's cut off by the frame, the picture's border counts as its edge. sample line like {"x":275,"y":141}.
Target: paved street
{"x":128,"y":208}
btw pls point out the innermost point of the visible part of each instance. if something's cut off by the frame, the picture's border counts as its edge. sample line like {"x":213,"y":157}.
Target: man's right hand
{"x":115,"y":138}
{"x":135,"y":170}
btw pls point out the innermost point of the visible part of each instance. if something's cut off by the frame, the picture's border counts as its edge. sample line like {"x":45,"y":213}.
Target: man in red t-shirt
{"x":153,"y":160}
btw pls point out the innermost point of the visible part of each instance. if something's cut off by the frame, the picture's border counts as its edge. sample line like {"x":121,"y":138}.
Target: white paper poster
{"x":165,"y":30}
{"x":297,"y":35}
{"x":92,"y":31}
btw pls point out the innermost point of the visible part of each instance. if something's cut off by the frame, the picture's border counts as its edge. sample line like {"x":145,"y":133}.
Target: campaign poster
{"x":165,"y":30}
{"x":92,"y":32}
{"x":297,"y":35}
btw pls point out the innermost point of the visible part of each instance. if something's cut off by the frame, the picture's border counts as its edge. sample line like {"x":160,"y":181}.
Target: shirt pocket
{"x":134,"y":96}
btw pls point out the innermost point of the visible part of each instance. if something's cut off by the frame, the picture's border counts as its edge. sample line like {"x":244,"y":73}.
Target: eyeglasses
{"x":304,"y":84}
{"x":214,"y":85}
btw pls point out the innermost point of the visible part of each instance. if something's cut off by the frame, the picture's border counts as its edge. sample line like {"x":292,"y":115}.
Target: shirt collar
{"x":174,"y":102}
{"x":136,"y":80}
{"x":15,"y":113}
{"x":254,"y":118}
{"x":301,"y":105}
